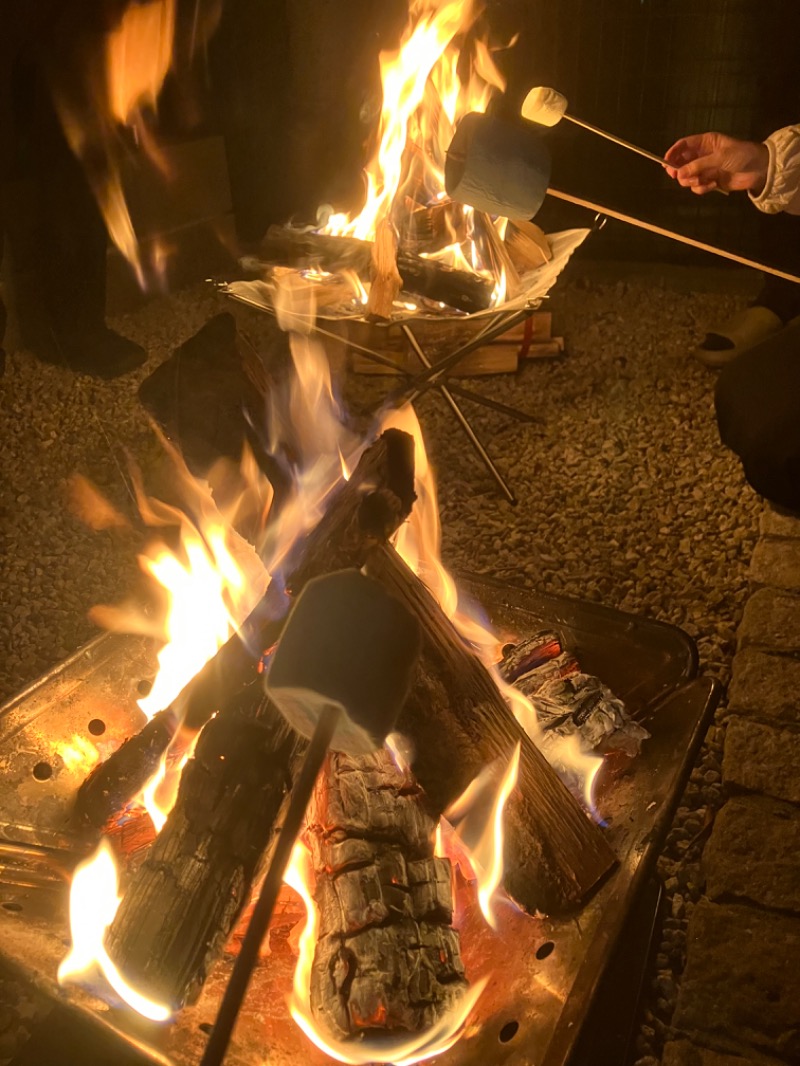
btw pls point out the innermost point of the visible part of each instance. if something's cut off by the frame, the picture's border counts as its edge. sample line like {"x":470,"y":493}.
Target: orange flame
{"x":425,"y":93}
{"x":477,"y":819}
{"x":418,"y":542}
{"x":93,"y":904}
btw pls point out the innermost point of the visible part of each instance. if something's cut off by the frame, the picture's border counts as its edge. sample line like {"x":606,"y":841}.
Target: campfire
{"x":510,"y":811}
{"x":409,"y":252}
{"x":384,"y":887}
{"x":417,"y":863}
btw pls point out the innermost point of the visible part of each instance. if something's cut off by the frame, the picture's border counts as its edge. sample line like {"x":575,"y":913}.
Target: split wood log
{"x":386,"y":282}
{"x":554,"y":855}
{"x":502,"y":263}
{"x":361,"y":512}
{"x":425,"y":277}
{"x":181,"y":905}
{"x":528,"y":246}
{"x":387,"y":957}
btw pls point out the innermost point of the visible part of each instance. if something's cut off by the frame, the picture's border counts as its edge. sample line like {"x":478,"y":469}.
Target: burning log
{"x":364,"y":511}
{"x":555,"y":856}
{"x":184,"y":900}
{"x":459,"y":289}
{"x":387,"y":957}
{"x":386,"y":282}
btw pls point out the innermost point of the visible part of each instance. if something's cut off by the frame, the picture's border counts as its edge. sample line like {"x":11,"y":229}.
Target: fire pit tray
{"x":543,"y":972}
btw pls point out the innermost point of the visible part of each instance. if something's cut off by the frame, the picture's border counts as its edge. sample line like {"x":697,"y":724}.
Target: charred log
{"x":387,"y":958}
{"x":182,"y":903}
{"x":362,"y":512}
{"x":113,"y":783}
{"x":555,"y":856}
{"x":459,"y":289}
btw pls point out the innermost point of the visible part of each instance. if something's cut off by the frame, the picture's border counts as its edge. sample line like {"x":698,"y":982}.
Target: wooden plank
{"x":500,"y":359}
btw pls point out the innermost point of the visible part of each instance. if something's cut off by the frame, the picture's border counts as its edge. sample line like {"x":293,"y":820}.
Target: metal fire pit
{"x":543,"y":972}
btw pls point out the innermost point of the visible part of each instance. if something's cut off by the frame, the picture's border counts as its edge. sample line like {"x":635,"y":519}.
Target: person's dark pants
{"x":758,"y":412}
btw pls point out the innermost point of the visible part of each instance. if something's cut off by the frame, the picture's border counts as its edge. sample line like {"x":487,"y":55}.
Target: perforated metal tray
{"x":542,"y":973}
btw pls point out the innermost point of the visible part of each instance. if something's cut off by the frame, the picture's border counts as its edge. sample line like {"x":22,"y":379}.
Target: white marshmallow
{"x":545,"y":106}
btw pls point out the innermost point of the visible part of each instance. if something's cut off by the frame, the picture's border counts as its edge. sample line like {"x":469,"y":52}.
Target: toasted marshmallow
{"x":545,"y":106}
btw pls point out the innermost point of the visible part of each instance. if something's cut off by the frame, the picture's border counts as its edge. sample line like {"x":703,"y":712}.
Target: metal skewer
{"x":232,"y":1001}
{"x":546,"y":107}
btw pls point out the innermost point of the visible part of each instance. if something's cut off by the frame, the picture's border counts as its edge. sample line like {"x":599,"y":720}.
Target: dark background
{"x":294,"y":86}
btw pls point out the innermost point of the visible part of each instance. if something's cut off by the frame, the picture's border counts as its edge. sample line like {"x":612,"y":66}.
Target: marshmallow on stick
{"x":547,"y":107}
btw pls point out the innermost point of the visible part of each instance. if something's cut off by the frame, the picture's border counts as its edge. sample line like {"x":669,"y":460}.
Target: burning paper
{"x":567,"y":701}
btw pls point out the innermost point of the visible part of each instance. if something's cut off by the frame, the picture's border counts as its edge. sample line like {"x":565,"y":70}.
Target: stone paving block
{"x":765,"y":685}
{"x":776,"y":562}
{"x":754,"y":853}
{"x":771,"y":619}
{"x":684,"y":1053}
{"x":741,"y":985}
{"x":775,"y":524}
{"x":762,"y":758}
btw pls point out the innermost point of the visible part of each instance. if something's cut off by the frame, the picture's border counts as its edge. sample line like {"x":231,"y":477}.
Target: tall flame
{"x":477,"y":818}
{"x":418,"y":542}
{"x":429,"y":82}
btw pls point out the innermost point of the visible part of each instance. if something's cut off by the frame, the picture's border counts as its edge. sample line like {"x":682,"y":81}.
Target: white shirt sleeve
{"x":782,"y":189}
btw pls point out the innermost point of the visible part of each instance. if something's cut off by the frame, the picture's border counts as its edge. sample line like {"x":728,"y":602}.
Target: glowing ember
{"x":78,"y":754}
{"x":93,"y":903}
{"x":398,"y":1050}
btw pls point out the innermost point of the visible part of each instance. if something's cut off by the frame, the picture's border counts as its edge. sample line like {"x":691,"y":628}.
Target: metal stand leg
{"x":463,"y":421}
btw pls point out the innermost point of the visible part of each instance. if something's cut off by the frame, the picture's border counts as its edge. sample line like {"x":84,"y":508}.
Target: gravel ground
{"x":626,"y":497}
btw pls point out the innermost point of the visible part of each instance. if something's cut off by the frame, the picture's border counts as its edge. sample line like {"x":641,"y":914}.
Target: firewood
{"x":386,"y":958}
{"x":184,"y":900}
{"x":555,"y":856}
{"x":490,"y":359}
{"x":429,"y":229}
{"x":459,"y":289}
{"x":537,"y":328}
{"x":501,"y":260}
{"x":386,"y":282}
{"x":361,"y":512}
{"x":527,"y":245}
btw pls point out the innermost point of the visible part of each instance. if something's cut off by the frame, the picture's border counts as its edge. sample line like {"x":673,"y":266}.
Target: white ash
{"x":568,"y":702}
{"x":582,"y":706}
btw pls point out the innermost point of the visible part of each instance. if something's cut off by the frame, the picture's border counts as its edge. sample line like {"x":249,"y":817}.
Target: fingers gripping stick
{"x":502,"y":167}
{"x":340,"y":675}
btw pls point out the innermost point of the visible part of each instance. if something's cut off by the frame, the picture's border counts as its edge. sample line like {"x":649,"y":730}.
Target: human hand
{"x":708,"y":161}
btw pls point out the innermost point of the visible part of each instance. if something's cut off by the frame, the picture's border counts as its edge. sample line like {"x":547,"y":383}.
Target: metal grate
{"x":652,"y":71}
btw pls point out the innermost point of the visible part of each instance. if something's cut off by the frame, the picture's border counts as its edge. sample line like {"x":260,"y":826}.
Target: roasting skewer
{"x":338,"y":699}
{"x":546,"y":107}
{"x":503,"y":168}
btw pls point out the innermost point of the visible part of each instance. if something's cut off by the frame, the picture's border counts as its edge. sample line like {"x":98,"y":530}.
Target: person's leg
{"x":758,"y":412}
{"x":54,"y":232}
{"x":779,"y":239}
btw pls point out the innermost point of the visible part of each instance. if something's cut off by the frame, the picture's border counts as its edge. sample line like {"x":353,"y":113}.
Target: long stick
{"x":251,"y":945}
{"x":651,"y":228}
{"x":624,"y":144}
{"x":616,"y":140}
